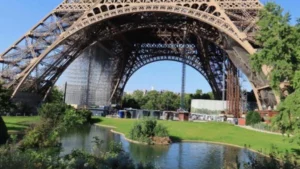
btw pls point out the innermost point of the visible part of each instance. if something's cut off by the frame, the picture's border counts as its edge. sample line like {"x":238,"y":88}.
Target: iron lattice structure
{"x":233,"y":93}
{"x":135,"y":33}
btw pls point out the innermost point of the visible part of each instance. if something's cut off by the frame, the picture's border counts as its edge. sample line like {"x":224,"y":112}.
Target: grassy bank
{"x":213,"y":132}
{"x":19,"y":123}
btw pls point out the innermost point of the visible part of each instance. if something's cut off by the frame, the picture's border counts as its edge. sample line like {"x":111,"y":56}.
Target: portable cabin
{"x":143,"y":113}
{"x":155,"y":114}
{"x":101,"y":111}
{"x":183,"y":116}
{"x":130,"y":113}
{"x":168,"y":115}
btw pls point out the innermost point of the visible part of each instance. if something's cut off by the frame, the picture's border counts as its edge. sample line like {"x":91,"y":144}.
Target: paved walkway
{"x":263,"y":131}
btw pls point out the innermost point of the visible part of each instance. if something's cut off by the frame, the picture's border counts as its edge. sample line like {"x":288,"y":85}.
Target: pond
{"x":174,"y":156}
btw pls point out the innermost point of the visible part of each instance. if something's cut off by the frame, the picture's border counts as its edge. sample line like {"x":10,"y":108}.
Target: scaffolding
{"x":89,"y":78}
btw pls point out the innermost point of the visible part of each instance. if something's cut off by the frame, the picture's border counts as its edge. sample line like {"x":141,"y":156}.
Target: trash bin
{"x":121,"y":114}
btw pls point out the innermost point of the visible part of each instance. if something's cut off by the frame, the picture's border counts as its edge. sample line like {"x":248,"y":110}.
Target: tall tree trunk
{"x":3,"y":132}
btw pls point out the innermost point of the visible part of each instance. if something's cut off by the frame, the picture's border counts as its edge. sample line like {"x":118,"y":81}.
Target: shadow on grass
{"x":17,"y":126}
{"x":14,"y":128}
{"x":175,"y":139}
{"x":95,"y":120}
{"x":297,"y":152}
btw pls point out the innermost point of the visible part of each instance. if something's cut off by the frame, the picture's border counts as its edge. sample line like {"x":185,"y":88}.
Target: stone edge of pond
{"x":122,"y":134}
{"x":181,"y":141}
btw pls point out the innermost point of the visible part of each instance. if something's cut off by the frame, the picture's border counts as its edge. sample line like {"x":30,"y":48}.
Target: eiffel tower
{"x":135,"y":33}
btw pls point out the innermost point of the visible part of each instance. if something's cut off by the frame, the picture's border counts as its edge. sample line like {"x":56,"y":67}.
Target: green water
{"x":174,"y":156}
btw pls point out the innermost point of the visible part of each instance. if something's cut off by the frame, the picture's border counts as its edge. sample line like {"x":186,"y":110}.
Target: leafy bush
{"x":161,"y":131}
{"x":252,"y":117}
{"x":10,"y":157}
{"x":143,"y":129}
{"x":64,"y":116}
{"x":136,"y":133}
{"x":55,"y":96}
{"x":73,"y":118}
{"x":288,"y":118}
{"x":42,"y":135}
{"x":55,"y":119}
{"x":53,"y":112}
{"x":87,"y":114}
{"x":148,"y":126}
{"x":115,"y":148}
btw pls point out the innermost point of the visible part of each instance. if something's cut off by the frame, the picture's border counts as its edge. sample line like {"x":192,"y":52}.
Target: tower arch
{"x":79,"y":24}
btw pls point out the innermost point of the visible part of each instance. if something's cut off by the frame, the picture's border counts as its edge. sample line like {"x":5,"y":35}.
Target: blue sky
{"x":19,"y":16}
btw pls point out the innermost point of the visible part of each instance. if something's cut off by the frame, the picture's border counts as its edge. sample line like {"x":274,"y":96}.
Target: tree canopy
{"x":280,"y":52}
{"x":288,"y":120}
{"x":164,"y":100}
{"x":280,"y":42}
{"x":55,"y":96}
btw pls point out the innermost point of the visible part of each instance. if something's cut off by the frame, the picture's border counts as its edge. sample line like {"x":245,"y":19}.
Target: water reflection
{"x":144,"y":153}
{"x":174,"y":156}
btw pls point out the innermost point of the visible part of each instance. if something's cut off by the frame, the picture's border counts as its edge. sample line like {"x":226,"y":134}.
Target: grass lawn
{"x":19,"y":123}
{"x":214,"y":132}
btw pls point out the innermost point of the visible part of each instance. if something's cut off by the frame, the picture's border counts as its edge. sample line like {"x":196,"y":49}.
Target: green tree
{"x":152,"y":100}
{"x":129,"y":101}
{"x":288,"y":120}
{"x":206,"y":96}
{"x":5,"y":107}
{"x":211,"y":95}
{"x":280,"y":46}
{"x":53,"y":112}
{"x":150,"y":105}
{"x":168,"y":101}
{"x":138,"y":96}
{"x":73,"y":118}
{"x":252,"y":117}
{"x":55,"y":96}
{"x":188,"y":100}
{"x":198,"y":94}
{"x":280,"y":51}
